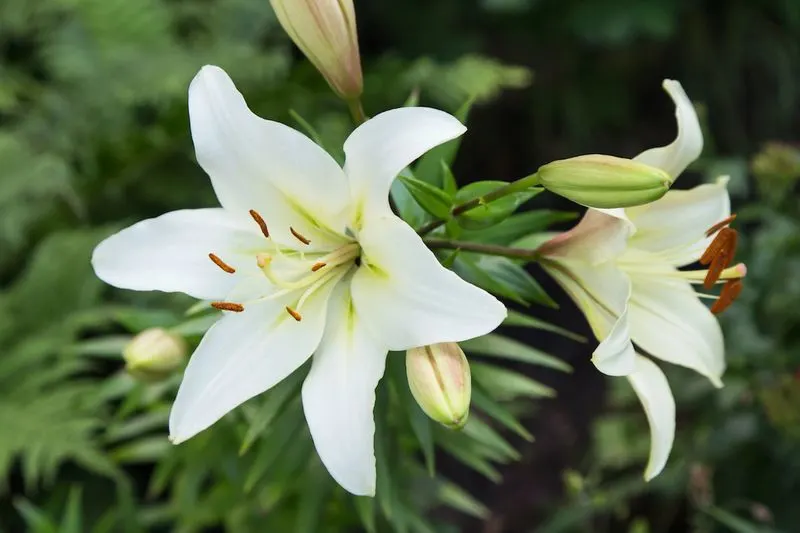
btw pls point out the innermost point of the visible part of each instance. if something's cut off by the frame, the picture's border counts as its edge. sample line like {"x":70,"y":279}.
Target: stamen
{"x":222,"y":264}
{"x":719,"y":225}
{"x":299,"y":237}
{"x":730,"y":291}
{"x":228,"y":306}
{"x":260,"y":221}
{"x":297,"y":316}
{"x":718,"y":264}
{"x":317,"y":266}
{"x":716,"y":246}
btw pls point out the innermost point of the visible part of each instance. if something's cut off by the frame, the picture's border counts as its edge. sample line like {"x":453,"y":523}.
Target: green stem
{"x":488,"y":249}
{"x":356,"y":111}
{"x":515,"y":186}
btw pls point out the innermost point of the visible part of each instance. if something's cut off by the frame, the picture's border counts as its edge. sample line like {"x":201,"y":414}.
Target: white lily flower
{"x":620,"y":266}
{"x":307,"y":258}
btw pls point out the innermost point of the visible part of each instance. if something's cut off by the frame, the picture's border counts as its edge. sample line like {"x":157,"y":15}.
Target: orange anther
{"x":719,"y":225}
{"x":717,"y":245}
{"x":298,"y":236}
{"x":297,"y":316}
{"x":228,"y":306}
{"x":222,"y":264}
{"x":317,"y":266}
{"x":260,"y":221}
{"x":730,"y":291}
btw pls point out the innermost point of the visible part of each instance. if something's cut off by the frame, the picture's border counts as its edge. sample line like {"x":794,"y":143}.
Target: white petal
{"x":615,"y":355}
{"x":243,"y":355}
{"x":676,"y":156}
{"x":387,"y":143}
{"x":670,"y":322}
{"x":170,"y":253}
{"x":339,"y":396}
{"x":597,"y":238}
{"x":673,"y":228}
{"x":408,"y":298}
{"x":600,"y":291}
{"x":651,"y":387}
{"x":264,"y":165}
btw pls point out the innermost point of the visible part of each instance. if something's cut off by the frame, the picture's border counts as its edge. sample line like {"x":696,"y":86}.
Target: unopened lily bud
{"x":325,"y":31}
{"x":604,"y":181}
{"x":154,"y":354}
{"x":440,"y":381}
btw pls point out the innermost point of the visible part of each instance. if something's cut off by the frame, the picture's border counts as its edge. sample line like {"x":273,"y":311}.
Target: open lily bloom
{"x":305,"y":257}
{"x":621,"y":267}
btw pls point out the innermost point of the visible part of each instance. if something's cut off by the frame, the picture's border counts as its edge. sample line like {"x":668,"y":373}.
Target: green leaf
{"x":499,"y":413}
{"x":313,"y":498}
{"x":107,"y":347}
{"x":307,"y":127}
{"x":138,"y":425}
{"x":71,"y":521}
{"x":518,"y":226}
{"x":365,"y":508}
{"x":429,"y":168}
{"x":448,"y":180}
{"x":36,"y":520}
{"x":276,"y":399}
{"x":454,"y":496}
{"x":197,"y":326}
{"x":467,"y":267}
{"x":407,"y":207}
{"x":434,"y":200}
{"x":144,"y":450}
{"x":516,"y":279}
{"x":489,"y":214}
{"x":735,"y":523}
{"x":504,"y":384}
{"x":468,"y":452}
{"x":419,"y":421}
{"x":515,"y":318}
{"x":486,"y":435}
{"x":496,"y":345}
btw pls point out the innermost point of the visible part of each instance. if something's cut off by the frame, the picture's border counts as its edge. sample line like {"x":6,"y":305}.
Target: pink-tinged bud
{"x":325,"y":31}
{"x":154,"y":354}
{"x":440,"y":380}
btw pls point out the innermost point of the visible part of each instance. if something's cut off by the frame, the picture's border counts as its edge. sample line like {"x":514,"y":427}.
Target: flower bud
{"x":325,"y":31}
{"x":604,"y":181}
{"x":154,"y":354}
{"x":440,"y":381}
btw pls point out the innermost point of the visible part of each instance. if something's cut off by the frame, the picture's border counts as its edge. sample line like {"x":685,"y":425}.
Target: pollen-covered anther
{"x":228,"y":306}
{"x":222,"y":264}
{"x":299,"y":236}
{"x":294,"y":314}
{"x":719,"y":225}
{"x":260,"y":221}
{"x":317,"y":266}
{"x":730,"y":291}
{"x":719,"y":255}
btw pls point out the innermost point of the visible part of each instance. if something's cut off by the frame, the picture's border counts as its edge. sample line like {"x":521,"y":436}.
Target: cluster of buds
{"x":154,"y":354}
{"x":718,"y":256}
{"x":440,"y":380}
{"x":604,"y":181}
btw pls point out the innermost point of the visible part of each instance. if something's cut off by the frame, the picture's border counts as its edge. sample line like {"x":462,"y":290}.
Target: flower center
{"x":315,"y":272}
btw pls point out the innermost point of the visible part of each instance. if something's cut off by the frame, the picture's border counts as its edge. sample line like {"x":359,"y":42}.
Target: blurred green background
{"x":94,"y":135}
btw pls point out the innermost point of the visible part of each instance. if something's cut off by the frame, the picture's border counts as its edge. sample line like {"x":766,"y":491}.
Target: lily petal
{"x":650,"y":385}
{"x":170,"y":253}
{"x":243,"y":355}
{"x":670,"y":322}
{"x":408,"y":298}
{"x":387,"y":143}
{"x":598,"y":237}
{"x":673,"y":228}
{"x":264,"y":165}
{"x":339,"y":396}
{"x":615,"y":355}
{"x":688,"y":145}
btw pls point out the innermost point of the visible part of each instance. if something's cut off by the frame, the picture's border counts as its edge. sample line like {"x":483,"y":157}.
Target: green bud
{"x":154,"y":354}
{"x":440,"y":380}
{"x":604,"y":181}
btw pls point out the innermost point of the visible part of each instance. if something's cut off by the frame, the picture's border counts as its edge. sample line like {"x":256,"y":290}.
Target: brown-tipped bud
{"x":154,"y":354}
{"x":604,"y":181}
{"x":325,"y":31}
{"x":440,"y":381}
